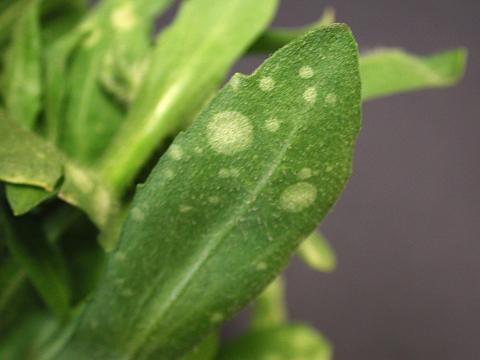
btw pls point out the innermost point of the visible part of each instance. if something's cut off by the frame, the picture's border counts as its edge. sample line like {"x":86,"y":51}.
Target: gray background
{"x":407,"y":229}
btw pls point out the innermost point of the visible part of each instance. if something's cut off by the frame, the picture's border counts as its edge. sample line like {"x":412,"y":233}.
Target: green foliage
{"x":317,"y":253}
{"x":282,"y":343}
{"x":94,"y":264}
{"x":266,"y":155}
{"x":389,"y":71}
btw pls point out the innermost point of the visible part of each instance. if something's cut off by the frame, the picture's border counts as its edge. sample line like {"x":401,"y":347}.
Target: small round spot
{"x":216,"y":317}
{"x":298,"y":197}
{"x":261,"y":266}
{"x":120,"y":256}
{"x":137,"y":214}
{"x":329,"y":168}
{"x":310,"y":95}
{"x":235,"y":82}
{"x":306,"y":72}
{"x":272,"y":124}
{"x":224,"y":173}
{"x":213,"y":199}
{"x":305,"y":173}
{"x":331,"y":99}
{"x":168,"y":174}
{"x":124,"y":18}
{"x":229,"y":132}
{"x":267,"y":83}
{"x":176,"y":152}
{"x":185,"y":208}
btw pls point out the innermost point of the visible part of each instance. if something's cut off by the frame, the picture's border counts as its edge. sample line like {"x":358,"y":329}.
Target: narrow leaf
{"x":317,"y":253}
{"x":229,"y":202}
{"x":389,"y":71}
{"x":283,"y":343}
{"x":22,"y":85}
{"x":42,"y":262}
{"x":185,"y":68}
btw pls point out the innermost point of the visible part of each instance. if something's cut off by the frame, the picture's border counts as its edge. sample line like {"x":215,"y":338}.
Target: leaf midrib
{"x":160,"y":310}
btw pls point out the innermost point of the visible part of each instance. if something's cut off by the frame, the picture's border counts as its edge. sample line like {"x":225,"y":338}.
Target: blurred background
{"x":407,"y":229}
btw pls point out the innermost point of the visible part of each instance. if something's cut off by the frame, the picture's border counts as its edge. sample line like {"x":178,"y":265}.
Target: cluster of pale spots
{"x":231,"y":132}
{"x":232,"y":197}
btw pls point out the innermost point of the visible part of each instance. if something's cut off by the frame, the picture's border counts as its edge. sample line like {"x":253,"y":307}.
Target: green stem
{"x":269,"y":309}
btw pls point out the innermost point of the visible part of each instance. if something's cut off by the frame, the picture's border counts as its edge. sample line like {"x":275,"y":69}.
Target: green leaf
{"x":116,"y":30}
{"x":59,"y":17}
{"x":389,"y":71}
{"x":83,"y":189}
{"x":317,"y":253}
{"x":206,"y":350}
{"x":26,"y":158}
{"x":269,"y":309}
{"x":22,"y":84}
{"x":42,"y":261}
{"x":23,"y":198}
{"x":10,"y":11}
{"x":189,"y":62}
{"x":283,"y":343}
{"x":273,"y":39}
{"x":229,"y":202}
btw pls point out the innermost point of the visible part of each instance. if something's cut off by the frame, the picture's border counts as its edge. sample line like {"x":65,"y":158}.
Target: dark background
{"x":407,"y":228}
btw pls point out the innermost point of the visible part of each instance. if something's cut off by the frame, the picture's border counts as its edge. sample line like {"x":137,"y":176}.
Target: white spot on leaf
{"x":124,"y":18}
{"x":235,"y":82}
{"x":306,"y":72}
{"x":310,"y":95}
{"x":213,"y":199}
{"x":272,"y":124}
{"x":298,"y":197}
{"x":331,"y":99}
{"x":267,"y":83}
{"x":305,"y":173}
{"x":185,"y":208}
{"x":137,"y":214}
{"x":261,"y":266}
{"x":168,"y":174}
{"x":216,"y":317}
{"x":229,"y":132}
{"x":226,"y":173}
{"x":176,"y":152}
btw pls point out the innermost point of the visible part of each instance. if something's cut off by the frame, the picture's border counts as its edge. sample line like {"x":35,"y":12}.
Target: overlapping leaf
{"x":229,"y":202}
{"x":188,"y":63}
{"x":41,"y":261}
{"x":116,"y":31}
{"x":26,"y":159}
